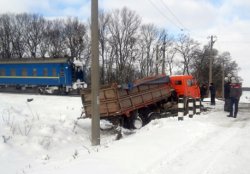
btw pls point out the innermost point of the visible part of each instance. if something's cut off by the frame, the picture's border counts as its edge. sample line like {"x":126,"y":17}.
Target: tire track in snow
{"x":202,"y":155}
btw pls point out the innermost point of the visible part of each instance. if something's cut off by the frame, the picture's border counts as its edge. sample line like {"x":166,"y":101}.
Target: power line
{"x":177,"y":19}
{"x":235,"y":42}
{"x":163,"y":14}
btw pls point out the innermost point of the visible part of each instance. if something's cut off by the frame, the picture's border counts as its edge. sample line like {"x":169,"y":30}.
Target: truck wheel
{"x":143,"y":114}
{"x":153,"y":116}
{"x":133,"y":121}
{"x":137,"y":123}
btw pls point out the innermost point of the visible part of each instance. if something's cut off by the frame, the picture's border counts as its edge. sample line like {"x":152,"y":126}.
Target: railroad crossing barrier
{"x":197,"y":106}
{"x":181,"y":109}
{"x":191,"y":108}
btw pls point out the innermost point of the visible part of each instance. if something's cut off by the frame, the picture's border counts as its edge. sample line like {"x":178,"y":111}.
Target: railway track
{"x":35,"y":91}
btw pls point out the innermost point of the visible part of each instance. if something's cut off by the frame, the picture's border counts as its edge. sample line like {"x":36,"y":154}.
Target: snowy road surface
{"x":223,"y":150}
{"x":46,"y":139}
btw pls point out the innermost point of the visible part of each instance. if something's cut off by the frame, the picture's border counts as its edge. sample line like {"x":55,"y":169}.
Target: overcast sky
{"x":229,"y":20}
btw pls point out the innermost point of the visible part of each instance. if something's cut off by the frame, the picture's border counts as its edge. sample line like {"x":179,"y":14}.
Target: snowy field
{"x":44,"y":137}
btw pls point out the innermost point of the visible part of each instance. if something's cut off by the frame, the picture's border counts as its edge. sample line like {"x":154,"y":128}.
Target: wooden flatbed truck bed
{"x":117,"y":101}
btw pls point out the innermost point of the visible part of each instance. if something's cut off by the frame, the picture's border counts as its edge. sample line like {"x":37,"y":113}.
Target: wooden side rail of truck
{"x":133,"y":103}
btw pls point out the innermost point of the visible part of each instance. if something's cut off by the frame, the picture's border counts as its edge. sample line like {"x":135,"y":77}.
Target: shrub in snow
{"x":5,"y":139}
{"x":46,"y":157}
{"x":45,"y":142}
{"x":75,"y":155}
{"x":25,"y":128}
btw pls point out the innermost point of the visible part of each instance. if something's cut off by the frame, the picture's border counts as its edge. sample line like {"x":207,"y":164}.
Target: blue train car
{"x":37,"y":72}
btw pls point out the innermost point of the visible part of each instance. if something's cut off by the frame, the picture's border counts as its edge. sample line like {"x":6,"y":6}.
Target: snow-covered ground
{"x":245,"y":98}
{"x":44,"y":137}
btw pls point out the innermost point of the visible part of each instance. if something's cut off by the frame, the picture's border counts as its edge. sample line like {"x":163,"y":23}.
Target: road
{"x":223,"y":150}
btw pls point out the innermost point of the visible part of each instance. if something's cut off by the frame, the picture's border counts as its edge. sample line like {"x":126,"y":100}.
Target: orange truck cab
{"x":185,"y":86}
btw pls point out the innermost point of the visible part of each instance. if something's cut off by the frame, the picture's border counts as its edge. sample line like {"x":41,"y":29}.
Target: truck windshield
{"x":191,"y":82}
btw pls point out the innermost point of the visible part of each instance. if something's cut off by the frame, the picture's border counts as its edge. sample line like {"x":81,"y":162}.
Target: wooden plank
{"x":137,"y":100}
{"x":125,"y":103}
{"x":143,"y":87}
{"x":108,"y":94}
{"x":115,"y":101}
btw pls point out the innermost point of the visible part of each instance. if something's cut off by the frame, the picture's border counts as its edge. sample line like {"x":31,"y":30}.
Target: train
{"x":44,"y":75}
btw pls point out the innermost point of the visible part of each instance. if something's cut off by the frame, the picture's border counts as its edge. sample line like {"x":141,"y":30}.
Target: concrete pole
{"x":211,"y":62}
{"x":222,"y":79}
{"x":95,"y":113}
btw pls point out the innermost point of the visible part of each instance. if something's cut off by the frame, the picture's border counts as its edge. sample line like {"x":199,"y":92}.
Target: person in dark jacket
{"x":203,"y":91}
{"x":212,"y":93}
{"x":227,"y":96}
{"x":235,"y":94}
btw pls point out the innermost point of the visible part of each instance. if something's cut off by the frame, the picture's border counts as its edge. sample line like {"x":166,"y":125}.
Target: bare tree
{"x":128,"y":49}
{"x":57,"y":47}
{"x":230,"y":66}
{"x":35,"y":25}
{"x":149,"y":34}
{"x":5,"y":36}
{"x":18,"y":35}
{"x":44,"y":45}
{"x":123,"y":27}
{"x":186,"y":47}
{"x":103,"y":38}
{"x":171,"y":52}
{"x":74,"y":32}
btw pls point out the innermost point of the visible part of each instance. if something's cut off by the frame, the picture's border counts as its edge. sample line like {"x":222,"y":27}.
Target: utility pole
{"x":223,"y":78}
{"x":95,"y":113}
{"x":211,"y":60}
{"x":157,"y":59}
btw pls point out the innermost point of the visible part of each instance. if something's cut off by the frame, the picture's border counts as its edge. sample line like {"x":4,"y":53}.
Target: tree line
{"x":129,"y":49}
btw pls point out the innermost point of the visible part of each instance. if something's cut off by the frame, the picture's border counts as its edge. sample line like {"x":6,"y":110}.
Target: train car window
{"x":54,"y":72}
{"x":45,"y":72}
{"x":34,"y":72}
{"x":24,"y":72}
{"x":13,"y":72}
{"x":61,"y":72}
{"x":2,"y":72}
{"x":178,"y":82}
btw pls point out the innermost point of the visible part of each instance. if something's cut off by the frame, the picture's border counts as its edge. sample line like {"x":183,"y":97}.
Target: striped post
{"x":181,"y":109}
{"x":191,"y":107}
{"x":197,"y":106}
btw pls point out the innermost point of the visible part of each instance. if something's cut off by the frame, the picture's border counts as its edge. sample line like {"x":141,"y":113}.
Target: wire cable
{"x":177,"y":19}
{"x":163,"y":14}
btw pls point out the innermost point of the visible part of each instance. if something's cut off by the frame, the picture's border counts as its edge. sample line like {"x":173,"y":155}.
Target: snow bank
{"x":245,"y":98}
{"x":43,"y":136}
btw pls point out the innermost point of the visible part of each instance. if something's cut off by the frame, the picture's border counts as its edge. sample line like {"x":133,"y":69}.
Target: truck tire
{"x":134,"y":121}
{"x":137,"y":124}
{"x":153,"y":116}
{"x":143,"y":114}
